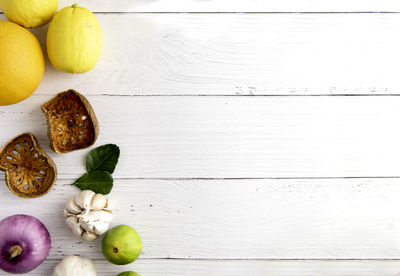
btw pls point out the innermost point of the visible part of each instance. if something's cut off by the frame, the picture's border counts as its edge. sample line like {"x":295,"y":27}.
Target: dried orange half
{"x":71,"y":121}
{"x":30,"y":172}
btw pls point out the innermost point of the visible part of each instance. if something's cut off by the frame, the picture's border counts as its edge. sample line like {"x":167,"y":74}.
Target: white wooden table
{"x":257,"y":137}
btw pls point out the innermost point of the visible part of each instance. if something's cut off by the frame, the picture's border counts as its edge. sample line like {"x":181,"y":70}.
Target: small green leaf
{"x":100,"y":182}
{"x":103,"y":158}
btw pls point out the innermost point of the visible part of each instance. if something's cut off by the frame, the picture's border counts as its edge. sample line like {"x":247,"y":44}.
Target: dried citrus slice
{"x":30,"y":172}
{"x":71,"y":121}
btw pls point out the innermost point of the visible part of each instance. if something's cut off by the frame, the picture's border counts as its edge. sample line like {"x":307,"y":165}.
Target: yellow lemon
{"x":21,"y":63}
{"x":29,"y":13}
{"x":74,"y":40}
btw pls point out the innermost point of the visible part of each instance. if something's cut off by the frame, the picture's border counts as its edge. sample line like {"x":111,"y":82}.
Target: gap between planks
{"x":249,"y":12}
{"x":235,"y":178}
{"x":262,"y":259}
{"x":238,"y":95}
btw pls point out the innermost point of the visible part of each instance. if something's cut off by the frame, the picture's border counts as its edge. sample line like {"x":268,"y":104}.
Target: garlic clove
{"x":101,"y":216}
{"x":67,"y":214}
{"x":74,"y":226}
{"x":88,"y":236}
{"x":84,"y":199}
{"x":72,"y":207}
{"x":109,"y":206}
{"x":99,"y":201}
{"x":101,"y":228}
{"x":87,"y":226}
{"x":95,"y":221}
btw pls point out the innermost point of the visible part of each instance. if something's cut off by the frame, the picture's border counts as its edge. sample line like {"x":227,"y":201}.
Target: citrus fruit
{"x":29,"y":13}
{"x":74,"y":40}
{"x":121,"y":245}
{"x":21,"y":63}
{"x":128,"y":273}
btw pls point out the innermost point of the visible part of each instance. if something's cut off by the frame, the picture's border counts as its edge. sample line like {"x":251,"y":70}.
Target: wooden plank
{"x":232,"y":137}
{"x":236,"y":6}
{"x":240,"y":54}
{"x":244,"y":267}
{"x":236,"y":219}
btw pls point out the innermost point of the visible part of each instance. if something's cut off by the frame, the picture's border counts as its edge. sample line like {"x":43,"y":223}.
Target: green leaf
{"x":100,"y":182}
{"x":103,"y":158}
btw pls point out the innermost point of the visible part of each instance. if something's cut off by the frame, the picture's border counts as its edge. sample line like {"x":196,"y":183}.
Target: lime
{"x":128,"y":273}
{"x":121,"y":245}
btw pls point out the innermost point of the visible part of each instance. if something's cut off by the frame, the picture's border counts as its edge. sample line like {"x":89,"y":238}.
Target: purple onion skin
{"x":31,"y":235}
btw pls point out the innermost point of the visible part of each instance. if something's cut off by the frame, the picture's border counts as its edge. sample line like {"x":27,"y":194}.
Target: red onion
{"x":24,"y":243}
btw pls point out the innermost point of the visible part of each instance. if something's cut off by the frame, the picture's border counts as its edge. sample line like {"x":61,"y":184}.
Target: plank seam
{"x":254,"y":12}
{"x":238,"y":178}
{"x":259,"y":259}
{"x":236,"y":95}
{"x":276,"y":259}
{"x":251,"y":12}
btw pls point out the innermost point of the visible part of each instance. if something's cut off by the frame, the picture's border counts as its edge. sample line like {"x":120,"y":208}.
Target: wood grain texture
{"x":237,"y":219}
{"x":240,"y":54}
{"x":236,"y":6}
{"x":243,"y":267}
{"x":232,"y":137}
{"x":167,"y":141}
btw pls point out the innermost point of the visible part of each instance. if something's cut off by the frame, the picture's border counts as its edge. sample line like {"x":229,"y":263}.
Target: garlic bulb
{"x":74,"y":265}
{"x":88,"y":215}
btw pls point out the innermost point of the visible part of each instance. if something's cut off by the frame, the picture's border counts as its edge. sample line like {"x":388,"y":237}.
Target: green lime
{"x":128,"y":273}
{"x":121,"y":245}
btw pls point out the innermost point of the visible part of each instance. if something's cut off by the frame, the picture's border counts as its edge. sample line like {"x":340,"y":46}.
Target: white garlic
{"x":99,"y":202}
{"x":84,"y":199}
{"x":74,"y":265}
{"x":72,"y":207}
{"x":89,"y":236}
{"x":88,"y":215}
{"x":73,"y":225}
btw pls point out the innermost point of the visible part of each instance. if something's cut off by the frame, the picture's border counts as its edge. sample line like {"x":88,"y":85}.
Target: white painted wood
{"x":240,"y":54}
{"x":232,"y":137}
{"x":236,"y":219}
{"x":237,"y":137}
{"x":235,"y":5}
{"x":244,"y":267}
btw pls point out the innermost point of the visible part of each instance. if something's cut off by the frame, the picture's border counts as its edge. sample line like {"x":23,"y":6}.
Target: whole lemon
{"x":21,"y":63}
{"x":29,"y":13}
{"x":74,"y":40}
{"x":121,"y":245}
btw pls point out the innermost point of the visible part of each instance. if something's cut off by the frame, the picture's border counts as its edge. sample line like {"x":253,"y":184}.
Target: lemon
{"x":21,"y":63}
{"x":29,"y":13}
{"x":121,"y":245}
{"x":74,"y":40}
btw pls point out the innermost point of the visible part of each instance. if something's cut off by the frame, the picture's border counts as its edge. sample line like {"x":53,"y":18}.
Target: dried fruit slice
{"x":30,"y":172}
{"x":71,"y":121}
